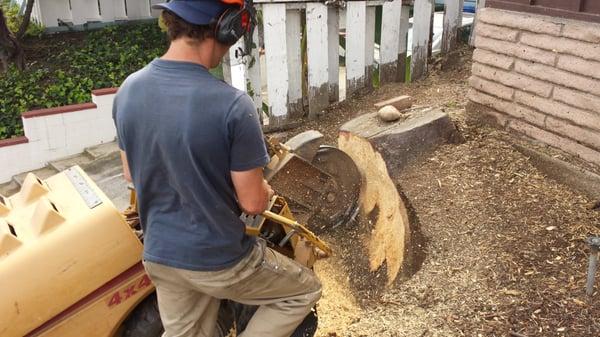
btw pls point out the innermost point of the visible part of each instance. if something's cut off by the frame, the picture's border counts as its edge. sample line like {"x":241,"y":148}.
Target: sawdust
{"x":378,"y":191}
{"x":504,"y":253}
{"x":338,"y":307}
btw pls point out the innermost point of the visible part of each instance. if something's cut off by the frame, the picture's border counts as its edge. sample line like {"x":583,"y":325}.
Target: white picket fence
{"x":274,"y":78}
{"x":278,"y":79}
{"x":282,"y":69}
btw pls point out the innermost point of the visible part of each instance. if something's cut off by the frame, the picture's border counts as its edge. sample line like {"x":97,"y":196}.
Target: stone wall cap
{"x":105,"y":91}
{"x":13,"y":141}
{"x":58,"y":110}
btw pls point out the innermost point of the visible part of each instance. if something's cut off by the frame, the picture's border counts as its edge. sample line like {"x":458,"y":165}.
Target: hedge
{"x":104,"y":58}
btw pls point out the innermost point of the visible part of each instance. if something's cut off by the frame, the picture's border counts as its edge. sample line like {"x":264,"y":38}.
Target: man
{"x":193,"y":147}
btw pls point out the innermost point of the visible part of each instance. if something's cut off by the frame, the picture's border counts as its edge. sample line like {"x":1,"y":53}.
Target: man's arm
{"x":126,"y":173}
{"x":252,"y":190}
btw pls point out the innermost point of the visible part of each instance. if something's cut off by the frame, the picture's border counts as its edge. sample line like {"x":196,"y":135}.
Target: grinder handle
{"x":301,"y":230}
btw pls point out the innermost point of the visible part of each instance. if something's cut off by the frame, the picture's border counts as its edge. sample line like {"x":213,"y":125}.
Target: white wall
{"x":49,"y":12}
{"x":55,"y":136}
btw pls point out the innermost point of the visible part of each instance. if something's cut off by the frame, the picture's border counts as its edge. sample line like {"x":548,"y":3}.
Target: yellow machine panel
{"x":66,"y":254}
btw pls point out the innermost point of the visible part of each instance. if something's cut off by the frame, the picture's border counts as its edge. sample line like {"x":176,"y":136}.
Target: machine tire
{"x":308,"y":327}
{"x":243,"y":314}
{"x":144,"y":321}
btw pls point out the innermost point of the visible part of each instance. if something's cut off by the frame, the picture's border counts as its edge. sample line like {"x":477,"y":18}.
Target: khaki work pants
{"x":284,"y":290}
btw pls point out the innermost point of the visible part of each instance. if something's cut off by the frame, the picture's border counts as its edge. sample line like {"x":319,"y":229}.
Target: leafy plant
{"x":73,"y":65}
{"x":67,"y":74}
{"x":14,"y":19}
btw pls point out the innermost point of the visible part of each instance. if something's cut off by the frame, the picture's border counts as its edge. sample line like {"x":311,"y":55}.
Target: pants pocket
{"x":281,"y":265}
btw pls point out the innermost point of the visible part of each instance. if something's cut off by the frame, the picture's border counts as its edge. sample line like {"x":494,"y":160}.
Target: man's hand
{"x":252,"y":190}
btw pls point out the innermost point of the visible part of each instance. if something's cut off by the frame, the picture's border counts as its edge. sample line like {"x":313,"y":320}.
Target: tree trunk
{"x":10,"y":48}
{"x":381,"y":150}
{"x":26,"y":20}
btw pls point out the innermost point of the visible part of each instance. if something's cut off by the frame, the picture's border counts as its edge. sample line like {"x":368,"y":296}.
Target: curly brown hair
{"x":178,"y":28}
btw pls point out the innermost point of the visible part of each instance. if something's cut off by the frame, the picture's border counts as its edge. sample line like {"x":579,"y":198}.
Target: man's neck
{"x":184,"y":51}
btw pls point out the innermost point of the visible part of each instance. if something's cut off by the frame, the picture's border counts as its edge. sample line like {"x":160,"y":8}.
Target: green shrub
{"x":14,"y":19}
{"x":66,"y":76}
{"x":69,"y":70}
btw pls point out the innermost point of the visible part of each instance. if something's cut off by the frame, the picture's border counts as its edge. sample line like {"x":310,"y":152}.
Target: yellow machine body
{"x":69,"y":263}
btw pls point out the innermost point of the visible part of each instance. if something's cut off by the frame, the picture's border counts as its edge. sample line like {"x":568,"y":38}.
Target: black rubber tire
{"x":226,"y":326}
{"x":308,"y":327}
{"x":243,"y":314}
{"x":144,"y":320}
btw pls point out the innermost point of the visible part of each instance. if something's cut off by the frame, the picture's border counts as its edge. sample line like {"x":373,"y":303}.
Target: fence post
{"x":317,"y":48}
{"x":355,"y":46}
{"x":452,"y":22}
{"x":421,"y":31}
{"x":403,"y":47}
{"x":333,"y":27}
{"x":293,"y":38}
{"x":137,"y":9}
{"x":50,"y":11}
{"x":253,"y":78}
{"x":389,"y":48}
{"x":155,"y":12}
{"x":36,"y":14}
{"x":111,"y":10}
{"x":276,"y":61}
{"x":242,"y":71}
{"x":84,"y":11}
{"x":237,"y":72}
{"x":369,"y":46}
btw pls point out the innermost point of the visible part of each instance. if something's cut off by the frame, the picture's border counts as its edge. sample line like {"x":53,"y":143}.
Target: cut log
{"x":399,"y":102}
{"x":420,"y":131}
{"x":380,"y":150}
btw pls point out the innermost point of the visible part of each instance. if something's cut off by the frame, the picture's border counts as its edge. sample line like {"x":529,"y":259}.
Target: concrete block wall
{"x":540,"y":76}
{"x":55,"y":133}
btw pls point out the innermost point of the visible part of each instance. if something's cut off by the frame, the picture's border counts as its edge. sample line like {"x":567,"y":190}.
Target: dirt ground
{"x":503,"y":246}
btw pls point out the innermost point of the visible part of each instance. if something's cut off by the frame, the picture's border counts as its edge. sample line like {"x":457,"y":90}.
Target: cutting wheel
{"x":341,"y":203}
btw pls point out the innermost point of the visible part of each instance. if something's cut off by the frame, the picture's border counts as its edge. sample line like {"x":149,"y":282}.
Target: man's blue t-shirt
{"x":183,"y":131}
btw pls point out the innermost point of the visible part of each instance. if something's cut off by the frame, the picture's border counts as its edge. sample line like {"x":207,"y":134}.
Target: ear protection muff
{"x":235,"y":23}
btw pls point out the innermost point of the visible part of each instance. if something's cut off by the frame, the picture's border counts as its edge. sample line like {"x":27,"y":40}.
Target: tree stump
{"x":380,"y":150}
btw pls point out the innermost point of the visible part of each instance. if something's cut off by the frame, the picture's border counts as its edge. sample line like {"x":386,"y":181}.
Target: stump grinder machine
{"x":70,"y":262}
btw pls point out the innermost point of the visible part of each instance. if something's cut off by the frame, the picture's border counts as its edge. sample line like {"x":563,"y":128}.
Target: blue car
{"x":469,"y":7}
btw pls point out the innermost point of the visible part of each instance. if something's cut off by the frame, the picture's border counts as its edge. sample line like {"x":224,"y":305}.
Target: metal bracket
{"x":594,"y":243}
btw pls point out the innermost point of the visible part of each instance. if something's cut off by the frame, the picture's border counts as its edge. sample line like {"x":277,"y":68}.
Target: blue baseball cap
{"x":197,"y":12}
